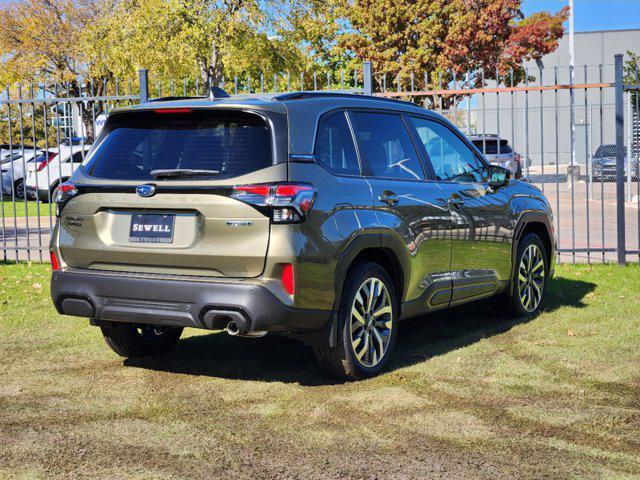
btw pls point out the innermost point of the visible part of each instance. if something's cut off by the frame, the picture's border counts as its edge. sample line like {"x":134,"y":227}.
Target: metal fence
{"x":557,"y":120}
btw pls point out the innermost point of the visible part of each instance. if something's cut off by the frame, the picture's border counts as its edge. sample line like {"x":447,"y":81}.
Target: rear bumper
{"x":610,"y":171}
{"x":180,"y":303}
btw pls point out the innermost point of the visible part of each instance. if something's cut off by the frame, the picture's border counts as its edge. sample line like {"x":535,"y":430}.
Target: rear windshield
{"x":491,"y":146}
{"x":609,"y":151}
{"x":231,"y":143}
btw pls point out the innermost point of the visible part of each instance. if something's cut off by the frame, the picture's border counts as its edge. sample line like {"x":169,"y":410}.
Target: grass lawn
{"x":469,"y":394}
{"x":31,"y":209}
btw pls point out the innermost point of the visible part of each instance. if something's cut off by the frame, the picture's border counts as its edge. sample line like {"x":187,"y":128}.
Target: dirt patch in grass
{"x":470,"y":393}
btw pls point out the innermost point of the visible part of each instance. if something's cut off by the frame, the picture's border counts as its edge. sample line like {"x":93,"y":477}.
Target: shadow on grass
{"x":277,"y":359}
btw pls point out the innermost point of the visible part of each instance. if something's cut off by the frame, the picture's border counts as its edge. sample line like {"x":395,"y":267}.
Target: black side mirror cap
{"x":497,"y":176}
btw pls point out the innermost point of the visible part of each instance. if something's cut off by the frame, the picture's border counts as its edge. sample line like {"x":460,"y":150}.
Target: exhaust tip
{"x":232,"y":328}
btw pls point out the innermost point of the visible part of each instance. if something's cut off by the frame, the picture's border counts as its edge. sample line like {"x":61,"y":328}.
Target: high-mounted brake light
{"x":168,"y":111}
{"x":46,"y":161}
{"x":286,"y":202}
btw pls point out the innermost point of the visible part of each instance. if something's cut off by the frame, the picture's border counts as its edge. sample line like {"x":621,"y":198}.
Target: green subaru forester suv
{"x":325,"y":217}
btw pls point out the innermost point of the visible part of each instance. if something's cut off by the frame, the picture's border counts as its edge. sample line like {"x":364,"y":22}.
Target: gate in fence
{"x":578,"y":141}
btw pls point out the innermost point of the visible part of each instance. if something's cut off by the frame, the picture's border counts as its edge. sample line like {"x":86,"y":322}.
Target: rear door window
{"x":386,"y":146}
{"x":609,"y":151}
{"x":136,"y":143}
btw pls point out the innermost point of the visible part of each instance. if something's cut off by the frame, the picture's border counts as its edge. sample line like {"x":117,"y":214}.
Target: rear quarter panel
{"x":343,"y":211}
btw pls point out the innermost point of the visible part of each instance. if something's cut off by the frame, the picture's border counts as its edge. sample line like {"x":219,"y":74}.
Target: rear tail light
{"x":55,"y":265}
{"x":288,"y":281}
{"x":65,"y":192}
{"x":285,"y":202}
{"x":46,"y":161}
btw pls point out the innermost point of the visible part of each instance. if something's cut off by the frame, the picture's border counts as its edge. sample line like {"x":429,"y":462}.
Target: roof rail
{"x":323,"y":93}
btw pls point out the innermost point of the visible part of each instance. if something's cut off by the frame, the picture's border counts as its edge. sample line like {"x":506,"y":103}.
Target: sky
{"x":593,"y":14}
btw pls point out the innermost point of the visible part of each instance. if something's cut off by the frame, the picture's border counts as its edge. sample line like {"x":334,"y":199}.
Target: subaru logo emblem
{"x":146,"y":190}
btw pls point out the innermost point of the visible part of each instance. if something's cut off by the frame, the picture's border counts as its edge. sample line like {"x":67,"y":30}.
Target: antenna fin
{"x":217,"y":92}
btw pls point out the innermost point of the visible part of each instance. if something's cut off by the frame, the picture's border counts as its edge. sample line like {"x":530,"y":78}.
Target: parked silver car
{"x":603,"y":164}
{"x":502,"y":155}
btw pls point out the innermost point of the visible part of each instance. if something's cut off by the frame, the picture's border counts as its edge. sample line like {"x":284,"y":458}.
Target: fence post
{"x":619,"y":101}
{"x":143,"y":78}
{"x":368,"y":79}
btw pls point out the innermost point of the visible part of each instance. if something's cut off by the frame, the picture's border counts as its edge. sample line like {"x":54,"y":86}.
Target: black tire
{"x":135,"y":341}
{"x":342,"y":361}
{"x":525,"y":301}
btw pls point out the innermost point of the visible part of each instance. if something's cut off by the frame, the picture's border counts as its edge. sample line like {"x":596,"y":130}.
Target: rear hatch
{"x":492,"y":152}
{"x":158,"y":194}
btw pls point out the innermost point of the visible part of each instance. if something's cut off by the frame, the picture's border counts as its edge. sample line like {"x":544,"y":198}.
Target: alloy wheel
{"x":531,"y":278}
{"x":20,"y":189}
{"x":371,"y":322}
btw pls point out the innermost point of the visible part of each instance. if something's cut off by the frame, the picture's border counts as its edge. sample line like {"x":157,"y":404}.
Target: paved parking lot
{"x":589,"y":221}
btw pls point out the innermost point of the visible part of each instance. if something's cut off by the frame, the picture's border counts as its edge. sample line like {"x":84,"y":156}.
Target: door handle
{"x":456,"y":200}
{"x":389,"y":197}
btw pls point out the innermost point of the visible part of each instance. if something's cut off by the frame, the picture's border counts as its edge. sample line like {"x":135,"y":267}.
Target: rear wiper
{"x":182,"y":173}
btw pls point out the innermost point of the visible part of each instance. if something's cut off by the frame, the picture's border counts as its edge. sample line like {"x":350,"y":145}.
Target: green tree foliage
{"x":182,"y":38}
{"x":446,"y":37}
{"x":27,"y":127}
{"x":632,"y":76}
{"x":43,"y":41}
{"x":74,"y":40}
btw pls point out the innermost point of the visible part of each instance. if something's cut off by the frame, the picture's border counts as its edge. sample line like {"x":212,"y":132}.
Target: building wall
{"x":544,"y":132}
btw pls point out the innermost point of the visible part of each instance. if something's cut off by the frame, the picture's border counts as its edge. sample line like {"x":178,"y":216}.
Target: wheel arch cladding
{"x":540,"y":229}
{"x":538,"y":224}
{"x":374,"y":249}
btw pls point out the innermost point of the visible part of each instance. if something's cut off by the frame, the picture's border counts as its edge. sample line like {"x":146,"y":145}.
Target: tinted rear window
{"x":491,"y":146}
{"x":232,"y":143}
{"x":609,"y":151}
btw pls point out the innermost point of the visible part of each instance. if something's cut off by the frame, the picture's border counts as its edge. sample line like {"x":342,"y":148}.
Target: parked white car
{"x":13,"y":169}
{"x":499,"y":152}
{"x":43,"y":179}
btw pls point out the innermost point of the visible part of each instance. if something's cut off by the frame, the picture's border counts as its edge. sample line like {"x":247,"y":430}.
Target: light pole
{"x":571,"y":81}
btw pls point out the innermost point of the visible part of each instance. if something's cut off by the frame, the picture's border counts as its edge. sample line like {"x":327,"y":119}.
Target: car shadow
{"x":278,"y":359}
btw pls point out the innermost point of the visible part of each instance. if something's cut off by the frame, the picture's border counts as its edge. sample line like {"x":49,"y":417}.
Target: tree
{"x":314,"y":26}
{"x":42,"y":41}
{"x":632,"y":76}
{"x":446,"y":37}
{"x":176,"y":38}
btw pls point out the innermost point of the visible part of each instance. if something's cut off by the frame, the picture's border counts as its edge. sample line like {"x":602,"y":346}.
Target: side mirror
{"x":497,"y":176}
